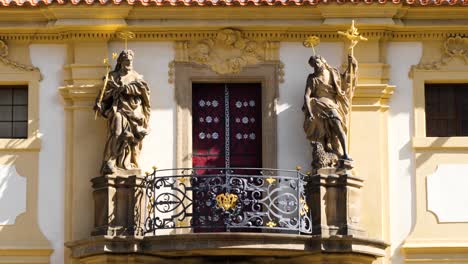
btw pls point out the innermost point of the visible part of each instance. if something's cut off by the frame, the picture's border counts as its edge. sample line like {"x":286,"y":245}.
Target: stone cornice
{"x":289,"y":23}
{"x":168,"y":34}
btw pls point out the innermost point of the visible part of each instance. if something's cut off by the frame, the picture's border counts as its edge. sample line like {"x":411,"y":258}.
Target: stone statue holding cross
{"x":327,"y":106}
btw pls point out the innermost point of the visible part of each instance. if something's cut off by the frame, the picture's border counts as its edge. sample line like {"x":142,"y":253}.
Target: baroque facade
{"x":225,"y":85}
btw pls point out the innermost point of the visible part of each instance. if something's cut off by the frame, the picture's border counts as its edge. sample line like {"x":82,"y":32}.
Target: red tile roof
{"x":224,"y":2}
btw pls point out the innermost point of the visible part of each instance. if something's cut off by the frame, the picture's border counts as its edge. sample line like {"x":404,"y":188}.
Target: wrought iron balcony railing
{"x":227,"y":200}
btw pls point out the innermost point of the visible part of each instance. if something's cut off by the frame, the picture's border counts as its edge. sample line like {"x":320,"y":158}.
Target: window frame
{"x":422,"y":77}
{"x":11,"y":76}
{"x":12,"y":106}
{"x":455,"y":91}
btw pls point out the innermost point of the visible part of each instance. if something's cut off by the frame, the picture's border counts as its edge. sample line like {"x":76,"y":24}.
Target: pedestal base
{"x":117,"y":205}
{"x":334,"y":198}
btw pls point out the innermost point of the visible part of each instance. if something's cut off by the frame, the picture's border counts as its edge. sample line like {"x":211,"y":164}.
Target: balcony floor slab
{"x":213,"y":245}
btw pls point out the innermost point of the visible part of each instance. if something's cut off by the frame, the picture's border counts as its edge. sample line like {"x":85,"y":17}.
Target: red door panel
{"x":245,"y":108}
{"x":227,"y":131}
{"x":208,"y":125}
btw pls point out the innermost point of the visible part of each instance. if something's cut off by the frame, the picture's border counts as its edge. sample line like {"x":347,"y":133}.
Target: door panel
{"x":208,"y":122}
{"x":245,"y":108}
{"x":210,"y":127}
{"x":226,"y":121}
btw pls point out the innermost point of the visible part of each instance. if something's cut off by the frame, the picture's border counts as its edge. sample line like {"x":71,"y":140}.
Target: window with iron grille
{"x":446,"y":110}
{"x":13,"y":111}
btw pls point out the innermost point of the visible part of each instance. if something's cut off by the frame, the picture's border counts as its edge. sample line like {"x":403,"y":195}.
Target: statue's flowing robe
{"x":329,"y":103}
{"x":127,"y":108}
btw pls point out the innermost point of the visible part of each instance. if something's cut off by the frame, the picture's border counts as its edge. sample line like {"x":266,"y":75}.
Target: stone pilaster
{"x":368,"y":136}
{"x":85,"y":135}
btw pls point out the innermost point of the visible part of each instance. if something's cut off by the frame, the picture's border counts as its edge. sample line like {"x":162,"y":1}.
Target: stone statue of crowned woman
{"x":125,"y":103}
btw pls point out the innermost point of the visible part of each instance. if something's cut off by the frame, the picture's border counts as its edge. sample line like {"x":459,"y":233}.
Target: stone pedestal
{"x":118,"y":205}
{"x":335,"y":201}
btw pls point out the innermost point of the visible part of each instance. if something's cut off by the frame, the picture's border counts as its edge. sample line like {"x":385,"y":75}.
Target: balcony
{"x":224,"y":214}
{"x":226,"y":200}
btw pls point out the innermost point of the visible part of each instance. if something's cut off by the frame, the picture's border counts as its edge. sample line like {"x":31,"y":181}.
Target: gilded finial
{"x":125,"y":35}
{"x":298,"y":168}
{"x":311,"y":42}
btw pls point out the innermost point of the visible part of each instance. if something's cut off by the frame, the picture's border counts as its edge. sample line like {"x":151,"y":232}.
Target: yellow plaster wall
{"x":368,"y":139}
{"x":430,"y":240}
{"x":23,"y":242}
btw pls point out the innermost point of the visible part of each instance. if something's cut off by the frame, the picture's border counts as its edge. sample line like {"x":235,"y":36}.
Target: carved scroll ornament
{"x":228,"y":52}
{"x":5,"y":60}
{"x":454,"y":47}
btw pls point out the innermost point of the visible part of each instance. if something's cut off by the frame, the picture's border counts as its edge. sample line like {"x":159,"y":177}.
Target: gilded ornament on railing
{"x":183,"y":222}
{"x":227,"y":201}
{"x":182,"y":180}
{"x":271,"y":180}
{"x":304,"y":207}
{"x":150,"y":205}
{"x":271,"y":224}
{"x":228,"y":52}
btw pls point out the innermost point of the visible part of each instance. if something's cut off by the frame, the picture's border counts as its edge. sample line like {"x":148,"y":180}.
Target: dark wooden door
{"x":227,"y":133}
{"x":227,"y":125}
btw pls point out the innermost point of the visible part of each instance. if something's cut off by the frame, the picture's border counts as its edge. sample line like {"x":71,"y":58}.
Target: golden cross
{"x":101,"y":95}
{"x":352,"y":35}
{"x":125,"y":35}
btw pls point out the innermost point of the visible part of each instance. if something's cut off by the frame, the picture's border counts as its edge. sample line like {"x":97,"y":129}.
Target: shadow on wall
{"x":401,"y":56}
{"x":12,"y":188}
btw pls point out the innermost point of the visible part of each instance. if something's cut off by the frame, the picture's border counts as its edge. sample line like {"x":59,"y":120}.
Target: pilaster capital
{"x":372,"y":97}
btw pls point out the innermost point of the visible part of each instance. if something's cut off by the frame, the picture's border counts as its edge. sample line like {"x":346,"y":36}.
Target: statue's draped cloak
{"x":126,"y":105}
{"x":328,"y":102}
